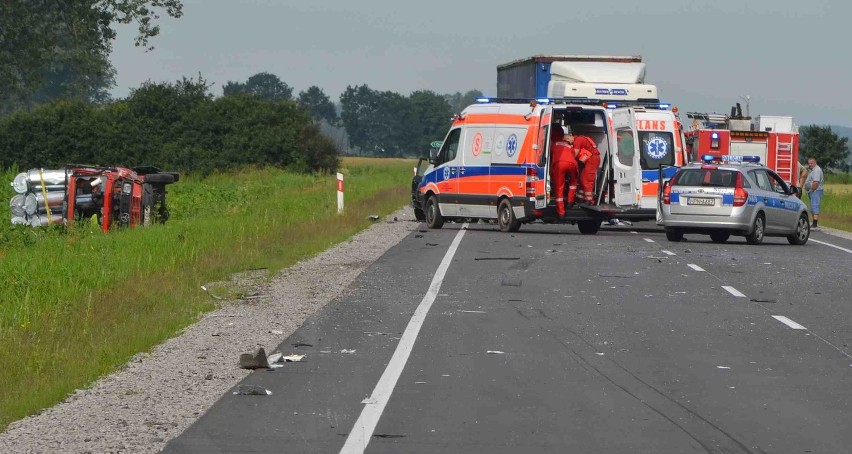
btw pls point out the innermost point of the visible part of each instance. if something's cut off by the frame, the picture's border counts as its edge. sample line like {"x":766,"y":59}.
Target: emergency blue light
{"x":708,"y":158}
{"x":664,"y":105}
{"x":714,"y":135}
{"x":611,"y":106}
{"x":483,"y":100}
{"x":543,"y":100}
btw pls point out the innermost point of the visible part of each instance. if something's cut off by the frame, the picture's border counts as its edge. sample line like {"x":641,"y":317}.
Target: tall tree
{"x":264,"y":86}
{"x":458,"y":101}
{"x":429,"y":120}
{"x":820,"y":142}
{"x":60,"y":49}
{"x":319,"y":105}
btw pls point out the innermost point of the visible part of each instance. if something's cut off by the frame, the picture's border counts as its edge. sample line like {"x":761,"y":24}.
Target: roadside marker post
{"x":339,"y":193}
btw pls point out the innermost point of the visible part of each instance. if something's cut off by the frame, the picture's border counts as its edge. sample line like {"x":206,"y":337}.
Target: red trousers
{"x":561,"y":171}
{"x":587,"y":177}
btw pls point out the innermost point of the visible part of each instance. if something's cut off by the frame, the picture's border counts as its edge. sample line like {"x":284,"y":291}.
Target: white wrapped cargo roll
{"x":41,"y":220}
{"x":16,"y":205}
{"x":34,"y":202}
{"x":31,"y":179}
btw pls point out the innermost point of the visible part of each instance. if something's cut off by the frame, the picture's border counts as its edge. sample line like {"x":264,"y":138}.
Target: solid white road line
{"x":831,"y":245}
{"x":668,"y":252}
{"x":650,"y":240}
{"x":788,"y":322}
{"x":695,"y":267}
{"x":362,"y":432}
{"x":733,"y":291}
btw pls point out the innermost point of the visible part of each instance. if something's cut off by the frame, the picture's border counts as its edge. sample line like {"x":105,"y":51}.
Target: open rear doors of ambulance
{"x":627,"y":170}
{"x":543,"y":153}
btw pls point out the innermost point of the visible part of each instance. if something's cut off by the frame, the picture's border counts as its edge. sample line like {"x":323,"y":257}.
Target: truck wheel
{"x":803,"y":231}
{"x":720,"y":237}
{"x":434,"y":220}
{"x":674,"y":236}
{"x":160,"y":178}
{"x":589,"y":227}
{"x":506,"y":219}
{"x":756,"y":235}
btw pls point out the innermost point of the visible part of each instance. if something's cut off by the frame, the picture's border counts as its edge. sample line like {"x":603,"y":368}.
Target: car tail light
{"x":667,"y":194}
{"x":532,"y":177}
{"x":740,"y":194}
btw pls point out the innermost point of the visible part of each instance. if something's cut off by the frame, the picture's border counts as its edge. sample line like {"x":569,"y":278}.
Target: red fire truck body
{"x":776,"y":145}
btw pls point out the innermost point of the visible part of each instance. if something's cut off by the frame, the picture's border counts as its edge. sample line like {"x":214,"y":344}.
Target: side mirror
{"x":795,"y":191}
{"x":433,"y":156}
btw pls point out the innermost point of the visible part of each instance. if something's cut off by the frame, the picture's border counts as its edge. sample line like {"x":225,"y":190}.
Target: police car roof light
{"x":708,"y":158}
{"x":543,"y":100}
{"x":664,"y":105}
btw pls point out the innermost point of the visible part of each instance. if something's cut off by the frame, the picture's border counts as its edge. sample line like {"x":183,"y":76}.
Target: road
{"x":472,"y":340}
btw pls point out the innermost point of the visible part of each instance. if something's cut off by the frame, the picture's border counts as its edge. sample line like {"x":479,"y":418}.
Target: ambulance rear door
{"x":543,"y":153}
{"x":625,"y":162}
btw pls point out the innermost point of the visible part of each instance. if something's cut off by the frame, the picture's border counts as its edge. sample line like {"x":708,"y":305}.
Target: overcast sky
{"x":791,"y":58}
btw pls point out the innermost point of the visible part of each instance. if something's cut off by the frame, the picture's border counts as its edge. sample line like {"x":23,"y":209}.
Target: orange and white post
{"x":339,"y":193}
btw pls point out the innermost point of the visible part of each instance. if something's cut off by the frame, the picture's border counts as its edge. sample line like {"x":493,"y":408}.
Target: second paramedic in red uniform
{"x":590,"y":158}
{"x":563,"y":166}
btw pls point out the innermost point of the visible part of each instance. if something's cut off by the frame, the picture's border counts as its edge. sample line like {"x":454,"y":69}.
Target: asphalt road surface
{"x":472,"y":340}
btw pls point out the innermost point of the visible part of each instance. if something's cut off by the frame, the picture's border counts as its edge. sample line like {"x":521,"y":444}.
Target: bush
{"x":174,"y":126}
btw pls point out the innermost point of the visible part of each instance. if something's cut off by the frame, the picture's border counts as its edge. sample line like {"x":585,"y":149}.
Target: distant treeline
{"x":182,"y":126}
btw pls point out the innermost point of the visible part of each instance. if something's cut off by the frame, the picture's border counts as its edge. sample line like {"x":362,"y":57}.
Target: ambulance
{"x":494,"y":162}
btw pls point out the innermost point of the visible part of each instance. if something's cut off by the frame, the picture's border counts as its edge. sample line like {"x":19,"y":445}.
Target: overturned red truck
{"x":117,"y":196}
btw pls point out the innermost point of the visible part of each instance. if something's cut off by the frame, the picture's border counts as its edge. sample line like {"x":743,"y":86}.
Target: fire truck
{"x":775,"y":139}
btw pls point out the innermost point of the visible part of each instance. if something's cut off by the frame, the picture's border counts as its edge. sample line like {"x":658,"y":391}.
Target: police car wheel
{"x":720,"y":237}
{"x":674,"y":235}
{"x":803,"y":231}
{"x":506,"y":219}
{"x":756,"y":234}
{"x":434,"y":220}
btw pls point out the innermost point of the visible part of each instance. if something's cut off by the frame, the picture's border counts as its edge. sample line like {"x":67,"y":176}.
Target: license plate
{"x":700,"y":201}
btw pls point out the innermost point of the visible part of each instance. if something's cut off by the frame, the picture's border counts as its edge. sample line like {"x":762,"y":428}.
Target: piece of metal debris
{"x":495,"y":352}
{"x":254,"y":361}
{"x":211,"y":295}
{"x":374,"y":217}
{"x":252,"y":390}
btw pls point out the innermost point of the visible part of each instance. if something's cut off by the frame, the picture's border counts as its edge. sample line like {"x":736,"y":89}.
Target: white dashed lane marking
{"x":695,"y":267}
{"x":831,"y":245}
{"x":650,"y":240}
{"x":733,"y":291}
{"x":788,"y":322}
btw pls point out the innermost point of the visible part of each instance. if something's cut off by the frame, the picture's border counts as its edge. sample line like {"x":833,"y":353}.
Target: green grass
{"x":836,"y":207}
{"x":77,"y":304}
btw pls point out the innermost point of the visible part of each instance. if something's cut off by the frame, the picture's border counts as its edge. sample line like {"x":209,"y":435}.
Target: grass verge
{"x":77,"y":304}
{"x":836,"y":207}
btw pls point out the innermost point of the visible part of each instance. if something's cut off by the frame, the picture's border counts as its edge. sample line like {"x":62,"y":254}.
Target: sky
{"x":788,"y":58}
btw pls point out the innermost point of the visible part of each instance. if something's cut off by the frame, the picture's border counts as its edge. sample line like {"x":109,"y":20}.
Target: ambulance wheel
{"x":589,"y":227}
{"x":506,"y":219}
{"x":803,"y":231}
{"x":434,"y":220}
{"x":719,"y":237}
{"x":674,"y":235}
{"x":756,"y":234}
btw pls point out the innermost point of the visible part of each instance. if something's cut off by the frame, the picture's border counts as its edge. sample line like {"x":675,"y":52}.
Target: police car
{"x":732,"y":195}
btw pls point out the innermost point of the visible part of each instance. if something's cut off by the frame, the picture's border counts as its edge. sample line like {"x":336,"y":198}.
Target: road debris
{"x":301,"y":344}
{"x":211,"y":295}
{"x":497,"y":258}
{"x":257,"y":360}
{"x":292,"y":358}
{"x":374,"y":217}
{"x":722,"y":367}
{"x":347,"y":351}
{"x":252,"y":390}
{"x":495,"y":352}
{"x":472,"y":312}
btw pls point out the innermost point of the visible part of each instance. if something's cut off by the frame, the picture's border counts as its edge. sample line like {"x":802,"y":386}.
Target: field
{"x":77,"y":304}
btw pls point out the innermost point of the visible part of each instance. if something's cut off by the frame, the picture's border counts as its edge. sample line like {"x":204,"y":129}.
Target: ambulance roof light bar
{"x":709,"y":158}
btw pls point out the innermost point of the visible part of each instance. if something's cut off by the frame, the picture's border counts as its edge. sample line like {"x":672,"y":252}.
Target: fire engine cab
{"x":774,"y":139}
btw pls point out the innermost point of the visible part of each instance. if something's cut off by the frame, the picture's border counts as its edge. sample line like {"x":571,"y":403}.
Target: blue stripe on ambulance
{"x":654,"y":175}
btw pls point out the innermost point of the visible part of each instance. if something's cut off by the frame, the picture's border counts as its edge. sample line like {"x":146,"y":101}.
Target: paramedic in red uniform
{"x":563,"y":166}
{"x":590,"y":158}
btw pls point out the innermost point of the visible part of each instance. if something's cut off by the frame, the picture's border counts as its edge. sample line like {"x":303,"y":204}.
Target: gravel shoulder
{"x":157,"y":395}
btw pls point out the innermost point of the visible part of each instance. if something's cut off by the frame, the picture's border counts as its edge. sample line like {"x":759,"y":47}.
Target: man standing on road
{"x":814,"y":186}
{"x":589,"y":156}
{"x":563,"y":168}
